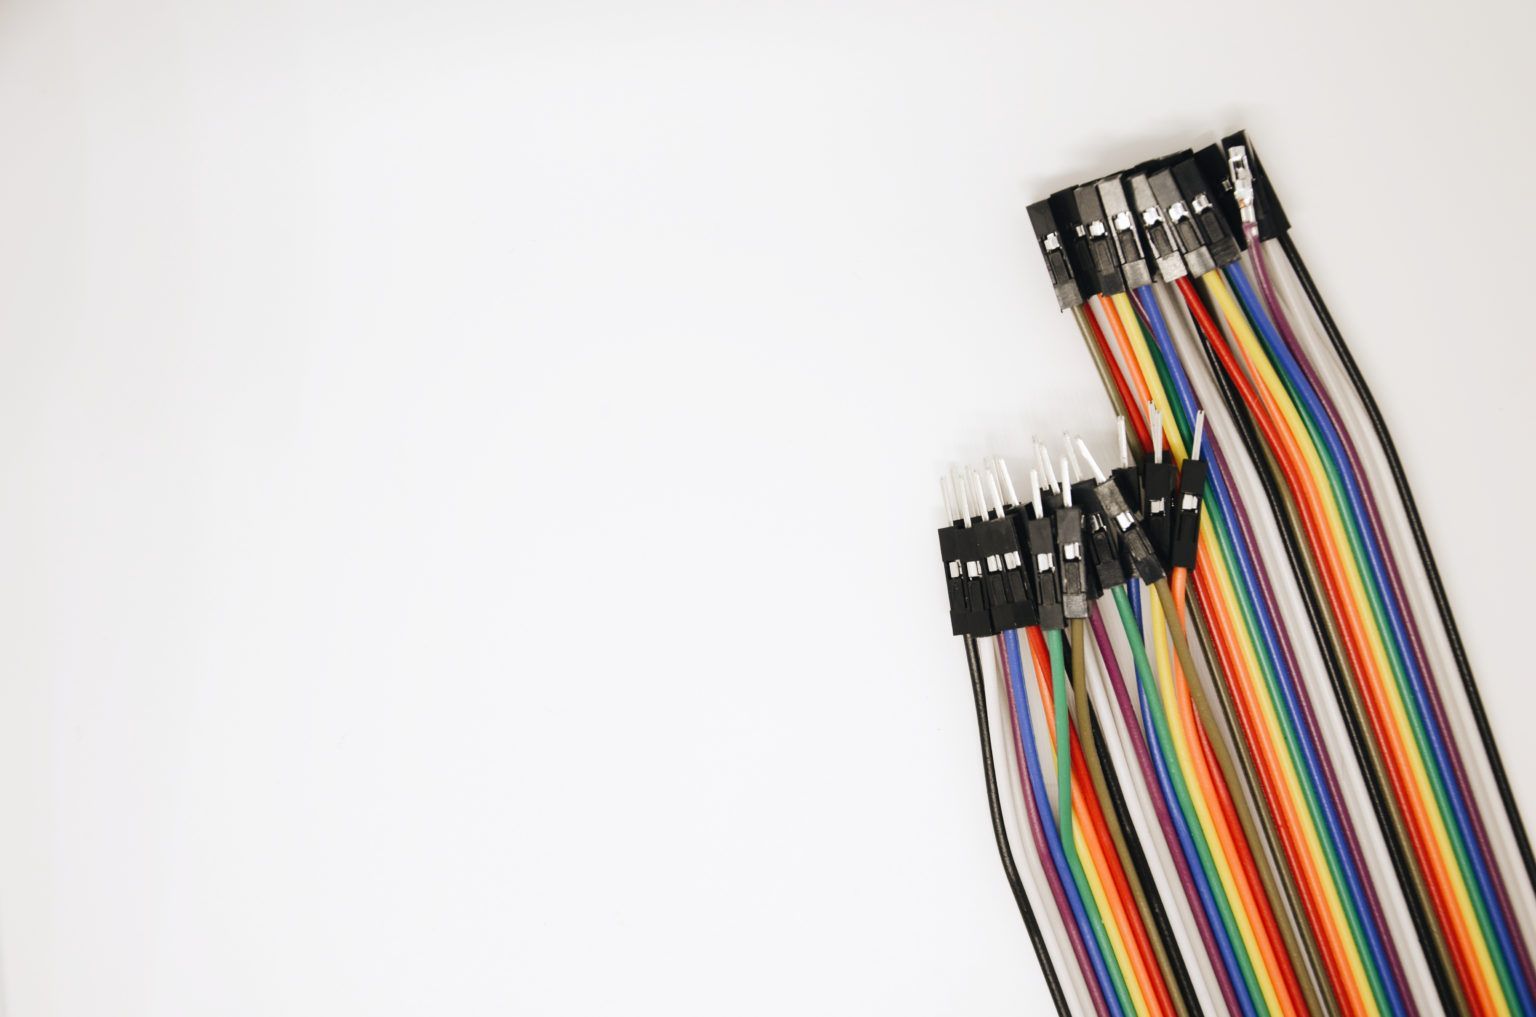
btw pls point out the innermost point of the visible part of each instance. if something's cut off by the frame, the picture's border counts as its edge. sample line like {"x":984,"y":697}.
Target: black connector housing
{"x":1157,"y":480}
{"x":1162,"y":245}
{"x":1106,"y":570}
{"x":1009,"y":600}
{"x":1040,"y":539}
{"x":1186,"y":518}
{"x":1063,"y":207}
{"x":1212,"y":162}
{"x":1269,"y":213}
{"x":1137,"y":549}
{"x":1203,"y":202}
{"x":968,"y":613}
{"x":1054,"y":245}
{"x":1125,"y":233}
{"x":1181,"y":222}
{"x":1128,"y":480}
{"x":1103,"y":255}
{"x":984,"y":576}
{"x":1073,"y":567}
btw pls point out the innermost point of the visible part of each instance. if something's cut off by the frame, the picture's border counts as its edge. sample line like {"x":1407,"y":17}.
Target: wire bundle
{"x":1307,"y":816}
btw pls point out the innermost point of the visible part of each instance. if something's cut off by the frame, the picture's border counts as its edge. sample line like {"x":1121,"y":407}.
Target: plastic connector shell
{"x":1040,"y":539}
{"x":1136,"y":547}
{"x":1054,"y":244}
{"x":1157,"y":480}
{"x":1207,"y":203}
{"x":1106,"y":569}
{"x":1128,"y":480}
{"x":1182,"y":222}
{"x":1270,"y":215}
{"x":1073,"y":563}
{"x":963,"y":579}
{"x":1009,"y":601}
{"x":1162,"y":246}
{"x":1093,"y":227}
{"x":1123,"y":229}
{"x":1186,"y":517}
{"x":1214,"y":169}
{"x":1063,"y":206}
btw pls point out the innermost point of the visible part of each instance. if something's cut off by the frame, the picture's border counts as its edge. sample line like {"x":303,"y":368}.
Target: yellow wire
{"x":1226,"y":587}
{"x":1224,"y":851}
{"x":1243,"y":907}
{"x":1120,"y":938}
{"x":1215,"y":834}
{"x":1096,"y":876}
{"x":1259,"y":364}
{"x":1312,"y":845}
{"x":1149,"y":374}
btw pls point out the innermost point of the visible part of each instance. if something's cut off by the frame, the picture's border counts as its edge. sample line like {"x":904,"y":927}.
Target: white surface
{"x":468,"y":469}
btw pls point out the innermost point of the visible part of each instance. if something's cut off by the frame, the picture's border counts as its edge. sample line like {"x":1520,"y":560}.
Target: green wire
{"x":1063,"y":734}
{"x":1064,"y":799}
{"x":1185,"y":802}
{"x":1332,"y":850}
{"x":1437,"y":778}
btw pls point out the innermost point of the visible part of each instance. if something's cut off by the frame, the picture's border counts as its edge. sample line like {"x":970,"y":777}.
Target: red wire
{"x":1269,"y":784}
{"x":1326,"y":554}
{"x":1127,"y":400}
{"x":1125,"y":903}
{"x":1247,"y":871}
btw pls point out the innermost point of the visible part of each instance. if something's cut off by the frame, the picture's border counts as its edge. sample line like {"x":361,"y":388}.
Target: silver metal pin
{"x":1098,"y":474}
{"x":1002,"y":469}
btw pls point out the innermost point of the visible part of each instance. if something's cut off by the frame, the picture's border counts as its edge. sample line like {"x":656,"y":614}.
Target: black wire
{"x":1336,"y":676}
{"x":1000,"y":832}
{"x":1160,"y":921}
{"x":1426,"y":554}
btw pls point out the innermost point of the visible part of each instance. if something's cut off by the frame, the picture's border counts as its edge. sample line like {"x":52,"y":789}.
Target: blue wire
{"x":1052,"y":837}
{"x":1224,"y":500}
{"x":1470,"y":848}
{"x":1219,"y":929}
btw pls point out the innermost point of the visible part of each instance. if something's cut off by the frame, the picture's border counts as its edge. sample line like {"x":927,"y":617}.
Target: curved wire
{"x":1470,"y":843}
{"x":1346,"y":862}
{"x":1000,"y":832}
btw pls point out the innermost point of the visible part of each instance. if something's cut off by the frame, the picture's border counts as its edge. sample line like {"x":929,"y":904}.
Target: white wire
{"x":1243,"y":478}
{"x":1154,"y":845}
{"x":1399,"y":536}
{"x":1026,"y":857}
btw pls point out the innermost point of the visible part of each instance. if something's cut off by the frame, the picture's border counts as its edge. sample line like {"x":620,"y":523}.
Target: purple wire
{"x":1243,"y":528}
{"x":1394,"y":579}
{"x":1170,"y":836}
{"x":1257,"y":574}
{"x":1084,"y":966}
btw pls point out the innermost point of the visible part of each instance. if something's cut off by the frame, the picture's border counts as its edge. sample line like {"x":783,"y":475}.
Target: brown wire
{"x":1281,"y":890}
{"x":1112,"y":819}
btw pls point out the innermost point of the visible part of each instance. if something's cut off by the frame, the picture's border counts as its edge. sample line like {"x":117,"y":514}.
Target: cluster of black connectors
{"x":1025,"y":566}
{"x":1156,"y":222}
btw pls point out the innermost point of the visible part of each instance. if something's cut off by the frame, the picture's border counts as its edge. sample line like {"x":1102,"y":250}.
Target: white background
{"x":467,"y":470}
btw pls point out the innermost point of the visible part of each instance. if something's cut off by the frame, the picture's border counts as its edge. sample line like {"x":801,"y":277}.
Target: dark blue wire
{"x":1043,"y":808}
{"x":1223,"y":497}
{"x":1191,"y":854}
{"x":1282,"y":355}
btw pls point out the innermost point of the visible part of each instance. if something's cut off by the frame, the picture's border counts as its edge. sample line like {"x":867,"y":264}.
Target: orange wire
{"x":1250,"y":890}
{"x":1143,"y":435}
{"x":1264,"y":753}
{"x":1106,"y":861}
{"x":1282,"y":443}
